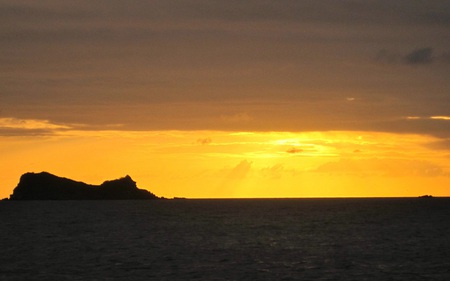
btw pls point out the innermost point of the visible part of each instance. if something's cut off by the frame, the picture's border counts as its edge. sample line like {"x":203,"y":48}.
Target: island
{"x":46,"y":186}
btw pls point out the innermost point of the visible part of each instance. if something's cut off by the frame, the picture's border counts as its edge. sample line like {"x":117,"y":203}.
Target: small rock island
{"x":45,"y":186}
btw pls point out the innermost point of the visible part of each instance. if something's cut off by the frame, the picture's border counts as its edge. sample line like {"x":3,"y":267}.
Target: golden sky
{"x":205,"y":164}
{"x":229,"y":98}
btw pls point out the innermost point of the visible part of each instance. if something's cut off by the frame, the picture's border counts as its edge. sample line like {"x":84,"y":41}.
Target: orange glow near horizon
{"x":215,"y":164}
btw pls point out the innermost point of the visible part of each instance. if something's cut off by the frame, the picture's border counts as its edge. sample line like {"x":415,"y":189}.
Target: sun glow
{"x":212,"y":164}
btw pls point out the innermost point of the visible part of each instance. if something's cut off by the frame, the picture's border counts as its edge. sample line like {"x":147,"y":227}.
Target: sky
{"x":216,"y":99}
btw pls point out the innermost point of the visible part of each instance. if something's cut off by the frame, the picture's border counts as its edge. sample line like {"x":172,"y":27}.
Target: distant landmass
{"x":45,"y":186}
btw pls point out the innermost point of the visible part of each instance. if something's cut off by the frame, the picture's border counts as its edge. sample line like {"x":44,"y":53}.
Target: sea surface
{"x":247,"y":239}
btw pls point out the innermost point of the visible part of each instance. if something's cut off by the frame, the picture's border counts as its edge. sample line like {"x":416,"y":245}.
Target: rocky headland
{"x":45,"y":186}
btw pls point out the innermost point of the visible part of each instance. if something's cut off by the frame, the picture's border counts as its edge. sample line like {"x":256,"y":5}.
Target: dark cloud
{"x":289,"y":10}
{"x":17,"y":127}
{"x":13,"y":132}
{"x":224,"y":65}
{"x":443,"y":144}
{"x":204,"y":141}
{"x":420,"y":56}
{"x":294,"y":150}
{"x":438,"y":128}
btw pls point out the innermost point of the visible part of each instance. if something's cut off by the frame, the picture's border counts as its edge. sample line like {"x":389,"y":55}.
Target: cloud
{"x":234,"y":65}
{"x":274,"y":172}
{"x":241,"y":170}
{"x":29,"y":124}
{"x":29,"y":127}
{"x":437,"y":117}
{"x":204,"y":141}
{"x":383,"y":167}
{"x":238,"y":117}
{"x":420,"y":56}
{"x":446,"y":118}
{"x":443,"y":144}
{"x":294,"y":150}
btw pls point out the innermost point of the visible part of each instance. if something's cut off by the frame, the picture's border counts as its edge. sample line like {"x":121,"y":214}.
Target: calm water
{"x":284,"y":239}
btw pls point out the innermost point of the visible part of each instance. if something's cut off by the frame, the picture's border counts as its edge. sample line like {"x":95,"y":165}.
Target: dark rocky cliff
{"x":45,"y":186}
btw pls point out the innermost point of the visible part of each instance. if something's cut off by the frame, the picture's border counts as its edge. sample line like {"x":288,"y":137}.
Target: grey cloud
{"x":420,"y":56}
{"x":13,"y":132}
{"x":234,"y":65}
{"x":134,"y":13}
{"x":438,"y":128}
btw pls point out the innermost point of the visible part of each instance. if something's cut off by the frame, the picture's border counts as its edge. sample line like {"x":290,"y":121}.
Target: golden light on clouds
{"x":213,"y":164}
{"x":28,"y":124}
{"x":447,"y":118}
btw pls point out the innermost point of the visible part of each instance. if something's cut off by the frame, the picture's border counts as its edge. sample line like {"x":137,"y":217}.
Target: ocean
{"x":245,"y":239}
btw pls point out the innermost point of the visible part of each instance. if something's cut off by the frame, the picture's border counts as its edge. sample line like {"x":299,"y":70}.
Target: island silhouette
{"x":46,"y":186}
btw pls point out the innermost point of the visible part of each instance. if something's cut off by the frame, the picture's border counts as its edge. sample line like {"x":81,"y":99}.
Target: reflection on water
{"x":283,"y":239}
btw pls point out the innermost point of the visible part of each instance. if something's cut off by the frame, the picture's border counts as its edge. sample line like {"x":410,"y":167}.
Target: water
{"x":284,"y":239}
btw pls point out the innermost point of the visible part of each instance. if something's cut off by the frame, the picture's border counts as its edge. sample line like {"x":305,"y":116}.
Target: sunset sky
{"x":206,"y":99}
